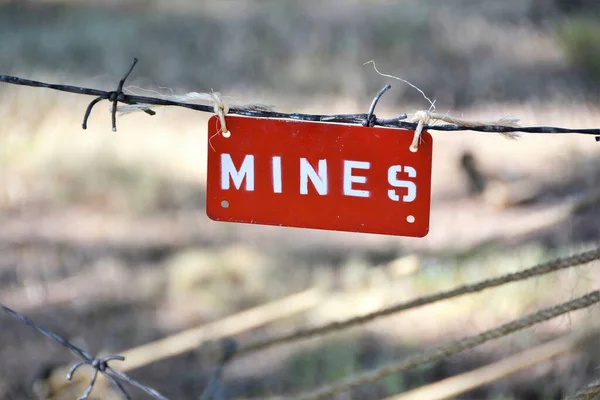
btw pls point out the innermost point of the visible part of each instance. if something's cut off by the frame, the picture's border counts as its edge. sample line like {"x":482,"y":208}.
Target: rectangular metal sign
{"x":319,"y":175}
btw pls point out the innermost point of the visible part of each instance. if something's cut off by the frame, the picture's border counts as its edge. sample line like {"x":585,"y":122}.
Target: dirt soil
{"x":104,"y":236}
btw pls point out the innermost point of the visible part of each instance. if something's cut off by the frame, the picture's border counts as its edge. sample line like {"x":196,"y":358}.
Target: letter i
{"x":276,"y":174}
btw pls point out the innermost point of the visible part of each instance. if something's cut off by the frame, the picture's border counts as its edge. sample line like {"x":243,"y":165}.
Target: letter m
{"x":228,"y":171}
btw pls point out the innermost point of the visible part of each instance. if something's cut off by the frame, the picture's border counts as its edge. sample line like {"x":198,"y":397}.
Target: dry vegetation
{"x":104,"y":237}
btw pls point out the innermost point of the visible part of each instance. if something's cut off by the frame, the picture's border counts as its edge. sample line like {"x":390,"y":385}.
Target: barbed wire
{"x":215,"y":389}
{"x":100,"y":365}
{"x":368,"y":119}
{"x":229,"y":347}
{"x":444,"y":351}
{"x":538,"y":270}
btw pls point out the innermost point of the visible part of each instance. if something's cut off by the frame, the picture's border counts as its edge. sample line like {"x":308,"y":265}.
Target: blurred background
{"x":104,"y":237}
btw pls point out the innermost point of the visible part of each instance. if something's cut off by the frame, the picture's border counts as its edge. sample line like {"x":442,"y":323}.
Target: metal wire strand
{"x":100,"y":365}
{"x":215,"y":389}
{"x":364,"y":119}
{"x":371,"y":118}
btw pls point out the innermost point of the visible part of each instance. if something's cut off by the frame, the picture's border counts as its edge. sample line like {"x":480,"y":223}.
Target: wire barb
{"x":371,"y":118}
{"x":119,"y":96}
{"x":100,"y":365}
{"x":114,"y":97}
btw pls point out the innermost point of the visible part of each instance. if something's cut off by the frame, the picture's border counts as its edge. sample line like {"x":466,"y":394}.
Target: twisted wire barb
{"x":369,"y":119}
{"x":119,"y":96}
{"x":541,"y":269}
{"x":444,"y":351}
{"x":100,"y":365}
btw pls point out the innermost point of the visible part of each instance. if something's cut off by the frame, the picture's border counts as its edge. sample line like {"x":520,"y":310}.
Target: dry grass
{"x":126,"y":209}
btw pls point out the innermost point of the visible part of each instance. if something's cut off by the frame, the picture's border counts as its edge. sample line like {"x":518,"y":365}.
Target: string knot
{"x":422,"y":117}
{"x":221,"y":109}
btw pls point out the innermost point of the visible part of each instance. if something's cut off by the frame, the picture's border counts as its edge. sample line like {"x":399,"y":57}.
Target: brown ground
{"x":104,"y":236}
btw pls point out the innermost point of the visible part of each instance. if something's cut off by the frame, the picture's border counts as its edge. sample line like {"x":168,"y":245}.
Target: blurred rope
{"x":441,"y":352}
{"x":100,"y":365}
{"x":215,"y":388}
{"x":184,"y":341}
{"x":203,"y":337}
{"x":541,"y":269}
{"x":454,"y":386}
{"x":590,"y":392}
{"x":144,"y":103}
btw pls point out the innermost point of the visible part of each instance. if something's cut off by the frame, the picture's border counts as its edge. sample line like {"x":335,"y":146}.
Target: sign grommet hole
{"x":309,"y":175}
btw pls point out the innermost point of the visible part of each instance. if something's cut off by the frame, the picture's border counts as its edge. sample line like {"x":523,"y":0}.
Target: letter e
{"x":349,"y":179}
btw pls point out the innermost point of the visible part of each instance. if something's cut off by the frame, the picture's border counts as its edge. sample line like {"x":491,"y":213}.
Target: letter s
{"x":395,"y":182}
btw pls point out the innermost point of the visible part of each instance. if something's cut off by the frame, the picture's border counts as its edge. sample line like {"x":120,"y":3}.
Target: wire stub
{"x":144,"y":103}
{"x":114,"y":97}
{"x":371,"y":118}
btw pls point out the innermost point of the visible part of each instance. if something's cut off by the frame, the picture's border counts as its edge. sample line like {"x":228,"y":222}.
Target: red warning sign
{"x":319,"y":175}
